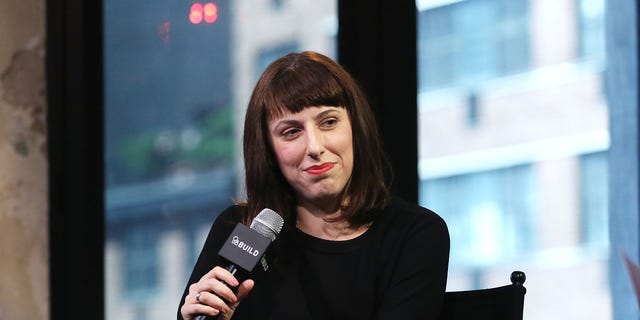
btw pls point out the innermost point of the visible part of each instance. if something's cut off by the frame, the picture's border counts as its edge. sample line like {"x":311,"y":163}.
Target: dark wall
{"x":377,"y":44}
{"x":75,"y":135}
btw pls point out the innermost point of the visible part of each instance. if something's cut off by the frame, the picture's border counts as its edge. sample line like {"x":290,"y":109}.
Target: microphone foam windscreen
{"x":267,"y":223}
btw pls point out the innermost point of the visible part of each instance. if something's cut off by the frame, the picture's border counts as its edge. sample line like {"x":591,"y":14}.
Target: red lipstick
{"x":317,"y":170}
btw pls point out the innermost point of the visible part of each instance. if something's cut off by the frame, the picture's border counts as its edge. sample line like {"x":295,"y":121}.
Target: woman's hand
{"x":211,"y":295}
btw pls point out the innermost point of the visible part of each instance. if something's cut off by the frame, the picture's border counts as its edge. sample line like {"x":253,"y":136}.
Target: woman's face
{"x":314,"y":150}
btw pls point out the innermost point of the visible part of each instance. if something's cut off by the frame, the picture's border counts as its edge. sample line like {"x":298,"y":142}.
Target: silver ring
{"x":198,"y":297}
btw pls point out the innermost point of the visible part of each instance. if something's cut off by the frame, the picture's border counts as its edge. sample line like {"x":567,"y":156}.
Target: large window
{"x":594,"y":193}
{"x":489,"y":214}
{"x":549,"y":119}
{"x":591,"y":28}
{"x":470,"y":41}
{"x":513,"y":140}
{"x":178,"y":75}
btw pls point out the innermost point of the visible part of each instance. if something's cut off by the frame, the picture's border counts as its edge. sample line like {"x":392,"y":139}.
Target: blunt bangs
{"x":302,"y":85}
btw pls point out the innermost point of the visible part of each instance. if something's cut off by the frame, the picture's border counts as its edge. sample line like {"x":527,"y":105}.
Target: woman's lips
{"x":320,"y":169}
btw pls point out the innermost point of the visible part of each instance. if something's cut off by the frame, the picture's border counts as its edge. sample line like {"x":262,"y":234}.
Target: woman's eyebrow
{"x":324,"y":113}
{"x":285,"y":122}
{"x":293,"y":122}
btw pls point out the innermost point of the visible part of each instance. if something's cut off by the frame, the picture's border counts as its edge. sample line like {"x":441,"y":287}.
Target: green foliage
{"x":210,"y":143}
{"x":216,"y":145}
{"x":136,"y":152}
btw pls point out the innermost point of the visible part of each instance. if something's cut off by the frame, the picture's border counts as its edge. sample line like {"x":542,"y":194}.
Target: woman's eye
{"x":290,"y":133}
{"x":329,"y":122}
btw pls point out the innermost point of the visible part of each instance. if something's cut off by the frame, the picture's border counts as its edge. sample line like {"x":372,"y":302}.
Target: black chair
{"x":499,"y":303}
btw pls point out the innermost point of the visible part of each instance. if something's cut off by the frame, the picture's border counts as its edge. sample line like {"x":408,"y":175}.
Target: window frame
{"x":377,"y":43}
{"x":622,"y":94}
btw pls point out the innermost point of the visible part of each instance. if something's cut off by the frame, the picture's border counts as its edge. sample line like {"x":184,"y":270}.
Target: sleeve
{"x":208,"y":258}
{"x":417,"y":279}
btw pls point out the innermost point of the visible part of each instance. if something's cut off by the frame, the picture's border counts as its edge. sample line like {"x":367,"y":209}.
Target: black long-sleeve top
{"x":397,"y":269}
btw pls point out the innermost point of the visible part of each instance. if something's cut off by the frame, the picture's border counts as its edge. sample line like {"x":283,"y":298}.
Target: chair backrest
{"x":499,"y":303}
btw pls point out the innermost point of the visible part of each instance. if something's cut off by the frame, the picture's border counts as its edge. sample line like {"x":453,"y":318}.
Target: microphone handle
{"x":232,"y":269}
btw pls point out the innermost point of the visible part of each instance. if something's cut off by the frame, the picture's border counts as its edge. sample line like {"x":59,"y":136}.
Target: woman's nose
{"x":315,"y":143}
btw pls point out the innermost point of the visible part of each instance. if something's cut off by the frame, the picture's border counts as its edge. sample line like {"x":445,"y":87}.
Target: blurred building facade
{"x":513,"y":147}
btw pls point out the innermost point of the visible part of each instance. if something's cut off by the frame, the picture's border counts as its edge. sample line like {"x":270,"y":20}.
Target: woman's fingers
{"x":213,"y":294}
{"x":210,"y":295}
{"x":244,"y":289}
{"x":213,"y":300}
{"x":222,"y":275}
{"x":220,"y":281}
{"x":190,"y":310}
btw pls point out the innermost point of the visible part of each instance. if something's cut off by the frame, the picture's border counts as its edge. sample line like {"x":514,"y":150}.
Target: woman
{"x":348,"y":249}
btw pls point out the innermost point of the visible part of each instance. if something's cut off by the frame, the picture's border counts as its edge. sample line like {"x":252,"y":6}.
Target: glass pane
{"x":513,"y":138}
{"x":177,"y":78}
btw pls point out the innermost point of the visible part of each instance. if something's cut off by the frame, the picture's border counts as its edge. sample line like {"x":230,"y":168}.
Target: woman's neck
{"x":326,"y":225}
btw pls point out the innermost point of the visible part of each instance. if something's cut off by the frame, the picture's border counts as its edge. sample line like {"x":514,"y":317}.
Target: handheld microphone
{"x":246,"y":246}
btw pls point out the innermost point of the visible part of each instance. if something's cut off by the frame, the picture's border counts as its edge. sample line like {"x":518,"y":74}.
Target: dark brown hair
{"x":292,"y":83}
